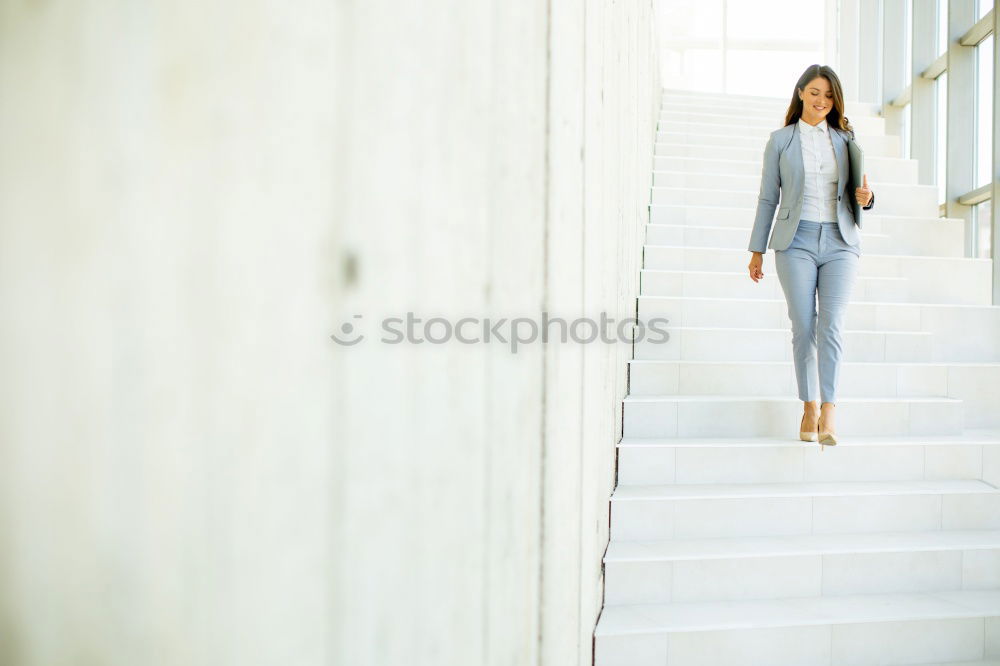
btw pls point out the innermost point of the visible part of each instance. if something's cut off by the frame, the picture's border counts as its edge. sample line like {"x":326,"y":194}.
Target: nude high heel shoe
{"x":826,"y":438}
{"x":808,"y":435}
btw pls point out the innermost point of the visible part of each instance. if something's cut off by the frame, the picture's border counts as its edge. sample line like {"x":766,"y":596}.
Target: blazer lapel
{"x":842,"y":164}
{"x":795,"y":154}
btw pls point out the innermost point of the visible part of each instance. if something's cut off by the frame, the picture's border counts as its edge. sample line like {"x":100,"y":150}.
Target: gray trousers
{"x":818,"y":265}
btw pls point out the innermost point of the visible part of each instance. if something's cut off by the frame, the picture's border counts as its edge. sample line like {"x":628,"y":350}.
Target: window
{"x":744,"y":48}
{"x":984,"y":111}
{"x":942,"y":26}
{"x":941,"y":144}
{"x":982,"y":215}
{"x":907,"y":120}
{"x":907,"y":70}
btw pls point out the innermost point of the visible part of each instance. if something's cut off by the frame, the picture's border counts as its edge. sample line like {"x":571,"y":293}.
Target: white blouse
{"x":819,"y":191}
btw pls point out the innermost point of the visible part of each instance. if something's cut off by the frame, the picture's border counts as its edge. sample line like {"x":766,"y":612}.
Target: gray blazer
{"x":783,"y":169}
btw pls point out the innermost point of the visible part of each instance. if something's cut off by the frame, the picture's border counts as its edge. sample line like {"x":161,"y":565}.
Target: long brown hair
{"x":836,"y":117}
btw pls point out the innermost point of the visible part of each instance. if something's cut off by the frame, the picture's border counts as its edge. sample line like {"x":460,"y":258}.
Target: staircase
{"x":732,"y":542}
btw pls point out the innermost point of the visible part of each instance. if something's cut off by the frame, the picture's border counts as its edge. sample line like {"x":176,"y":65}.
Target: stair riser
{"x":942,"y":241}
{"x":718,"y":216}
{"x":707,"y":181}
{"x":897,"y":170}
{"x":968,"y":280}
{"x":748,"y":105}
{"x":833,"y":574}
{"x":870,"y":289}
{"x":978,"y":387}
{"x":706,"y":105}
{"x":942,"y":237}
{"x":709,"y":123}
{"x":803,"y":462}
{"x":877,"y":144}
{"x":962,"y":334}
{"x":778,"y":378}
{"x":717,"y":123}
{"x":769,"y":418}
{"x":915,"y":200}
{"x":776,"y":345}
{"x":754,"y":115}
{"x":772,"y":314}
{"x":857,"y":644}
{"x":958,"y":334}
{"x":674,"y":145}
{"x":773,"y":516}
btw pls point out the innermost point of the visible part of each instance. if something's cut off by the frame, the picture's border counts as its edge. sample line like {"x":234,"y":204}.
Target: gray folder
{"x":857,"y":170}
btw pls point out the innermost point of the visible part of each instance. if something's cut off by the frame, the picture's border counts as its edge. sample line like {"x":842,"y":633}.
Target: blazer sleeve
{"x":767,"y":199}
{"x":870,"y":203}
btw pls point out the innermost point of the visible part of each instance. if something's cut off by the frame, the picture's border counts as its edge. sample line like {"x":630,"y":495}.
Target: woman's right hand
{"x":756,"y":266}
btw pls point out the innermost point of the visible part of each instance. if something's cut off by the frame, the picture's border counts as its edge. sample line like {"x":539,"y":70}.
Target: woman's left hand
{"x":863,"y":194}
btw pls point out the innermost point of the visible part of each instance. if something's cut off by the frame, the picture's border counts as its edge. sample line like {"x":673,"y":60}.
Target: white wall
{"x":192,"y":471}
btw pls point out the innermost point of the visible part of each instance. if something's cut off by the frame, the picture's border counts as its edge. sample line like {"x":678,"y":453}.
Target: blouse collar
{"x":821,"y":126}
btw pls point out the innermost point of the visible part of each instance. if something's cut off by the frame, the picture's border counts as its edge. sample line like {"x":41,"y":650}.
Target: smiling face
{"x":817,"y":100}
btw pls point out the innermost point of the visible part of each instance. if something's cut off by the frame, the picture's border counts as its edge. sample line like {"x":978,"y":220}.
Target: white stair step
{"x":696,"y":550}
{"x":729,"y":238}
{"x":761,"y":415}
{"x":978,"y":662}
{"x":713,"y":102}
{"x":746,"y":168}
{"x":899,"y":170}
{"x":740,"y":568}
{"x":773,"y":313}
{"x":914,"y":200}
{"x":742,"y":216}
{"x":798,"y":611}
{"x":721,"y":259}
{"x":976,"y":384}
{"x":939,"y":240}
{"x":968,"y":283}
{"x":740,"y":138}
{"x":719,"y":123}
{"x":749,"y":105}
{"x":702,"y":343}
{"x":908,"y":235}
{"x":959,"y":332}
{"x":856,"y":380}
{"x":737,"y":284}
{"x":861,"y":630}
{"x":673,"y":144}
{"x":679,"y":125}
{"x":690,"y":172}
{"x":971,"y":454}
{"x":805,"y":489}
{"x":687,"y":511}
{"x":697,"y":180}
{"x":716,"y":122}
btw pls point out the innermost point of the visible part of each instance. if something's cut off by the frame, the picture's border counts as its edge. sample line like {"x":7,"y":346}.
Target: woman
{"x":816,"y":242}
